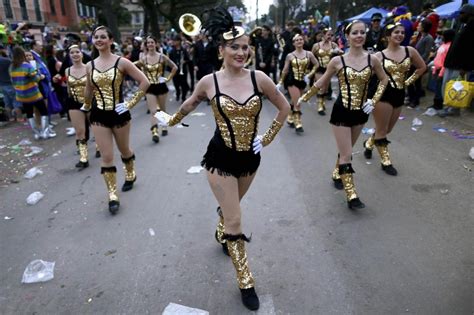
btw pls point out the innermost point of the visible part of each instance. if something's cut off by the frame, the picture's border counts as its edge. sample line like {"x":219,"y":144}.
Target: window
{"x":24,"y":12}
{"x":63,"y":8}
{"x":8,"y":9}
{"x":37,"y":11}
{"x":52,"y":7}
{"x":137,"y":18}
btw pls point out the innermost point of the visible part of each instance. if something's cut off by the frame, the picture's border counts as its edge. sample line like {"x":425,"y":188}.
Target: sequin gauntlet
{"x":271,"y":133}
{"x":412,"y":79}
{"x":169,"y":77}
{"x":379,"y":92}
{"x":312,"y":72}
{"x":310,"y":93}
{"x":236,"y":246}
{"x":135,"y":99}
{"x":176,"y":118}
{"x":87,"y":105}
{"x":282,"y":78}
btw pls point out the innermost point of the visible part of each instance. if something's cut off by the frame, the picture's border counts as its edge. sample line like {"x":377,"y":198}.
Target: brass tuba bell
{"x":189,"y":24}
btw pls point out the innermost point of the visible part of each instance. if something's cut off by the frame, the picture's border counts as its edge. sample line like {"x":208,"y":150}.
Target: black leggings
{"x":40,"y":105}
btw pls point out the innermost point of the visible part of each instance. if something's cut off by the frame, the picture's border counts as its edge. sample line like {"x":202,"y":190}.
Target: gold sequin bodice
{"x":153,"y":71}
{"x":237,"y":121}
{"x":77,"y":87}
{"x":323,"y":56}
{"x":108,"y":87}
{"x":353,"y":86}
{"x":299,"y":66}
{"x":396,"y":71}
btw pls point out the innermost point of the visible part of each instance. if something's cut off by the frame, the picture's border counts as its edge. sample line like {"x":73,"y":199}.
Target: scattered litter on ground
{"x":462,"y":135}
{"x":466,"y":167}
{"x":34,"y":151}
{"x":57,"y":153}
{"x":401,"y":117}
{"x":198,"y":114}
{"x":38,"y":271}
{"x":368,"y":131}
{"x":70,"y":131}
{"x":203,"y":125}
{"x":151,"y":231}
{"x":32,"y":172}
{"x":440,"y":130}
{"x":8,"y":218}
{"x":179,"y":126}
{"x":110,"y":252}
{"x":416,"y":124}
{"x":444,"y":191}
{"x":25,"y":142}
{"x":430,"y":112}
{"x":2,"y":147}
{"x":368,"y":162}
{"x":194,"y":169}
{"x":33,"y":198}
{"x":177,"y":309}
{"x":89,"y":300}
{"x":471,"y":153}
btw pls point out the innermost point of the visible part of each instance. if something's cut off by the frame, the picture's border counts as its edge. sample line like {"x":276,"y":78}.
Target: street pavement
{"x":410,"y":251}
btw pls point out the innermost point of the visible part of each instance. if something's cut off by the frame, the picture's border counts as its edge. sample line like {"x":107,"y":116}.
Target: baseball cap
{"x":376,"y":17}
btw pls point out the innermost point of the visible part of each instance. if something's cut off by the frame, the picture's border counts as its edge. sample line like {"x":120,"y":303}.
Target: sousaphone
{"x":189,"y":24}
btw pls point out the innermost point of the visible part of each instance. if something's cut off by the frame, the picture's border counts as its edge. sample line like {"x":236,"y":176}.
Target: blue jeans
{"x":9,"y":96}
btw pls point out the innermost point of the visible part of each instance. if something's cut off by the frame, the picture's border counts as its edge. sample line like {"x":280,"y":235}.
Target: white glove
{"x":121,"y":108}
{"x":257,"y":144}
{"x":162,"y":80}
{"x":84,"y":109}
{"x":279,"y":87}
{"x":368,"y":106}
{"x":300,"y":101}
{"x":335,"y":51}
{"x":163,"y":118}
{"x":306,"y":79}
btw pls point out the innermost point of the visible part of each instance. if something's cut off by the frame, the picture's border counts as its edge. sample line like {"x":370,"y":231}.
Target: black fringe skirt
{"x":228,"y":162}
{"x":342,"y":116}
{"x":393,"y":96}
{"x":109,"y":118}
{"x":71,"y":104}
{"x":157,"y":89}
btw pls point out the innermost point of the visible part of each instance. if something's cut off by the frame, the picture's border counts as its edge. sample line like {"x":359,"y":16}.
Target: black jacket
{"x":180,"y":57}
{"x":460,"y":53}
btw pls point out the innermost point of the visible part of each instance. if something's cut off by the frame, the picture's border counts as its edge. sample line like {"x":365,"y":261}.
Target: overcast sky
{"x":263,"y":6}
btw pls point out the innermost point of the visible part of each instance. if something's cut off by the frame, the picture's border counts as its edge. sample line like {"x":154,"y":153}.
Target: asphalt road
{"x":410,"y":251}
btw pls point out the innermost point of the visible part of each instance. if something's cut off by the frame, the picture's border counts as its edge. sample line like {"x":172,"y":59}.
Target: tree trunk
{"x":110,"y":16}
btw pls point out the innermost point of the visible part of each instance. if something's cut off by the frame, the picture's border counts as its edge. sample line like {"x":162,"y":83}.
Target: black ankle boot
{"x":355,"y":204}
{"x":389,"y":169}
{"x":114,"y":206}
{"x":82,"y":164}
{"x":250,"y":299}
{"x":338,"y":184}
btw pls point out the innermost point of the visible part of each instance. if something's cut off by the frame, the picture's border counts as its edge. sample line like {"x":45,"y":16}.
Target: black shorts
{"x":393,"y":96}
{"x":342,"y":116}
{"x":71,"y":104}
{"x":157,"y":89}
{"x":228,"y":162}
{"x":109,"y":118}
{"x":293,"y":82}
{"x":321,"y":70}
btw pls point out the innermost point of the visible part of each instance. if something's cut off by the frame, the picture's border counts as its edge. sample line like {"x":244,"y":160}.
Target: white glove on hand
{"x":279,"y":87}
{"x":306,"y":79}
{"x":120,"y":108}
{"x":257,"y":144}
{"x":84,"y":109}
{"x":300,"y":101}
{"x":368,"y":106}
{"x":162,"y":80}
{"x":163,"y":118}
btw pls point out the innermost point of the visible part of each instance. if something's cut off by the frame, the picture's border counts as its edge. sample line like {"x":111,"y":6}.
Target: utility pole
{"x":256,"y":18}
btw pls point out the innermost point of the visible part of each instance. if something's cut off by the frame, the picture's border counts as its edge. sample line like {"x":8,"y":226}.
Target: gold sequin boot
{"x":368,"y":147}
{"x":336,"y":177}
{"x":220,"y":232}
{"x":83,"y":154}
{"x":321,"y":105}
{"x":353,"y":201}
{"x":154,"y":134}
{"x":236,"y":246}
{"x":110,"y":177}
{"x":382,"y":147}
{"x":130,"y":176}
{"x":290,"y":120}
{"x":298,"y":122}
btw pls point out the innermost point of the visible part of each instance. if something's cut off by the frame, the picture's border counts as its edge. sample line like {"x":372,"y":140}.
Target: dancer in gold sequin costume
{"x":295,"y":76}
{"x":153,"y":65}
{"x":396,"y":61}
{"x":76,"y":85}
{"x":233,"y":154}
{"x":352,"y":108}
{"x":324,"y":51}
{"x":110,"y":116}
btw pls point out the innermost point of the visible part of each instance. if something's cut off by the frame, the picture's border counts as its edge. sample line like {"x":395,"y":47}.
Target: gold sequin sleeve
{"x":282,"y":77}
{"x":310,"y":93}
{"x":176,"y":118}
{"x":379,"y":92}
{"x":412,"y":79}
{"x":135,"y":99}
{"x":271,"y":133}
{"x":138,"y":63}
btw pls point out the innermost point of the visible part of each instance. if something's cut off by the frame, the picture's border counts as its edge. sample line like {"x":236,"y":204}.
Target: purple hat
{"x":401,"y":10}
